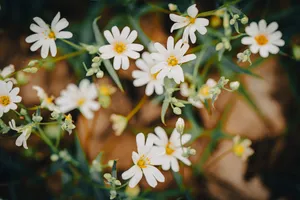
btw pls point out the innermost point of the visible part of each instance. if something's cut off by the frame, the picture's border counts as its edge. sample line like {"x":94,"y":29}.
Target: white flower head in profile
{"x":262,"y":38}
{"x":241,"y":148}
{"x":191,"y":24}
{"x":168,"y":60}
{"x":81,"y":97}
{"x":204,"y":90}
{"x":25,"y":133}
{"x":185,"y":91}
{"x":8,"y":97}
{"x":120,"y":47}
{"x":145,"y":77}
{"x":173,"y":149}
{"x":144,"y":160}
{"x":44,"y":35}
{"x":6,"y":71}
{"x":46,"y":101}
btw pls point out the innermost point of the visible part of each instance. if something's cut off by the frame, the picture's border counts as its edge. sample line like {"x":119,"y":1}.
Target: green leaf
{"x":226,"y":63}
{"x":100,"y":41}
{"x":80,"y":155}
{"x":164,"y":109}
{"x":114,"y":169}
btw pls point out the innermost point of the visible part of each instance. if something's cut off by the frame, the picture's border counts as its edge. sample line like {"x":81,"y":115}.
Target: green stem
{"x":46,"y":139}
{"x":75,"y":46}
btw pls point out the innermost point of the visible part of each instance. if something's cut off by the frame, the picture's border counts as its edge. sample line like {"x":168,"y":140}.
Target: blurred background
{"x":265,"y":110}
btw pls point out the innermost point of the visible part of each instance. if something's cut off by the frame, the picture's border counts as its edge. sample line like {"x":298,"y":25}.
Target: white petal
{"x":45,"y":49}
{"x":174,"y":164}
{"x":36,"y":45}
{"x":132,"y":54}
{"x":160,"y":48}
{"x":63,"y":23}
{"x":157,"y":174}
{"x":202,"y":30}
{"x":64,"y":35}
{"x":135,"y":157}
{"x":158,"y":56}
{"x":252,"y":29}
{"x":163,"y":73}
{"x":254,"y":48}
{"x":187,"y":58}
{"x":177,"y":74}
{"x":170,"y":43}
{"x":125,"y":32}
{"x":117,"y":62}
{"x":202,"y":22}
{"x":55,"y":19}
{"x":149,"y":177}
{"x":192,"y":36}
{"x":159,"y":89}
{"x":125,"y":62}
{"x":149,"y":89}
{"x":140,"y":82}
{"x":178,"y":44}
{"x":247,"y":40}
{"x":161,"y":133}
{"x":108,"y":36}
{"x":140,"y":63}
{"x":279,"y":42}
{"x":132,"y":36}
{"x":184,"y":48}
{"x":136,"y":178}
{"x":178,"y":26}
{"x":140,"y":140}
{"x":192,"y":11}
{"x":135,"y":47}
{"x":40,"y":22}
{"x":37,"y":29}
{"x":275,"y":36}
{"x":130,"y":172}
{"x":32,"y":38}
{"x":263,"y":51}
{"x":115,"y":31}
{"x":53,"y":49}
{"x":178,"y":18}
{"x":272,"y":27}
{"x":273,"y":49}
{"x":262,"y":25}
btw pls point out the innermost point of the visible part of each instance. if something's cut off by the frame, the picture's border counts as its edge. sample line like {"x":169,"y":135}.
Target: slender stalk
{"x":75,"y":46}
{"x":46,"y":139}
{"x":137,"y":108}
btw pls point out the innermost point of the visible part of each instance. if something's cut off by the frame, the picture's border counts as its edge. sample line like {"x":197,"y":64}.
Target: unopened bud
{"x":172,"y":7}
{"x":244,"y":20}
{"x":95,"y":64}
{"x":219,"y":46}
{"x":100,"y":74}
{"x":96,"y":59}
{"x":54,"y":157}
{"x":31,"y":70}
{"x":234,"y":85}
{"x":177,"y":111}
{"x":107,"y":176}
{"x":32,"y":63}
{"x":180,"y":125}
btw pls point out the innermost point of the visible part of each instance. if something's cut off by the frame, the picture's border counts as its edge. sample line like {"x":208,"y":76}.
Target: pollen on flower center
{"x":169,"y":150}
{"x":261,"y":39}
{"x":104,"y":90}
{"x":154,"y":76}
{"x":172,"y":61}
{"x":49,"y":99}
{"x":119,"y":47}
{"x":204,"y":90}
{"x":81,"y":101}
{"x":4,"y":100}
{"x":239,"y":150}
{"x":143,"y":161}
{"x":51,"y":35}
{"x":192,"y":20}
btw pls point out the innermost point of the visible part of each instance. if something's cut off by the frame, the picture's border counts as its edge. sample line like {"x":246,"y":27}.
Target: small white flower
{"x":204,"y":91}
{"x":120,"y":47}
{"x":81,"y":97}
{"x":262,"y":38}
{"x":185,"y":91}
{"x":144,"y":76}
{"x":191,"y":24}
{"x":44,"y":35}
{"x":169,"y":60}
{"x":46,"y":101}
{"x":144,"y":160}
{"x":241,"y":148}
{"x":8,"y":97}
{"x":119,"y":123}
{"x":172,"y":7}
{"x":25,"y":133}
{"x":173,"y":149}
{"x":8,"y":70}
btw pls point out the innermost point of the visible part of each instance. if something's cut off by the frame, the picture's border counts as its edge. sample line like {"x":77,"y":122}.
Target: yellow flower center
{"x":204,"y":90}
{"x":192,"y":20}
{"x":4,"y":100}
{"x":154,"y":76}
{"x":172,"y":61}
{"x":142,"y":162}
{"x":239,"y":150}
{"x":51,"y":35}
{"x":119,"y":47}
{"x":49,"y":100}
{"x":104,"y":90}
{"x":215,"y":21}
{"x":80,"y":101}
{"x":169,"y":150}
{"x":69,"y":117}
{"x":261,"y":39}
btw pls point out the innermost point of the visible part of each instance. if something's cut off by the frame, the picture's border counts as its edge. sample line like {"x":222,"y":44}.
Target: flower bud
{"x":100,"y":74}
{"x":23,"y":111}
{"x":54,"y":157}
{"x":90,"y":72}
{"x":32,"y":70}
{"x":32,"y":63}
{"x":96,"y":59}
{"x":117,"y":182}
{"x":234,"y":85}
{"x":232,"y":21}
{"x":96,"y":64}
{"x":37,"y":118}
{"x":177,"y":111}
{"x":172,"y":7}
{"x":244,"y":20}
{"x":180,"y":125}
{"x":219,"y":46}
{"x":107,"y":176}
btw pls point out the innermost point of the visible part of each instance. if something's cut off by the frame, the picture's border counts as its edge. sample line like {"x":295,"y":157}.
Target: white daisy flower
{"x":144,"y":76}
{"x":144,"y":160}
{"x":46,"y":101}
{"x":44,"y":35}
{"x":120,"y":47}
{"x":8,"y":70}
{"x":241,"y":148}
{"x":8,"y":97}
{"x":169,"y":60}
{"x":81,"y":97}
{"x":173,"y":149}
{"x":191,"y":24}
{"x":25,"y":133}
{"x":262,"y":38}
